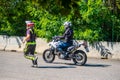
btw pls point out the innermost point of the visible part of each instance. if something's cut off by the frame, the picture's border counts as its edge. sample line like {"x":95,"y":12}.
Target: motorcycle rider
{"x":29,"y":51}
{"x":68,"y":37}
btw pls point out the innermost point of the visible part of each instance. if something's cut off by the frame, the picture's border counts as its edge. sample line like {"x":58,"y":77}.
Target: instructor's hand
{"x":23,"y":41}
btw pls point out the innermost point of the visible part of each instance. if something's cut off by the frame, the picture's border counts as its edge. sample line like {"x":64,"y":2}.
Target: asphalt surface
{"x":13,"y":66}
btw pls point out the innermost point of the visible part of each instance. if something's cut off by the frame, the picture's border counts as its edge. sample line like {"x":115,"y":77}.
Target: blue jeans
{"x":63,"y":45}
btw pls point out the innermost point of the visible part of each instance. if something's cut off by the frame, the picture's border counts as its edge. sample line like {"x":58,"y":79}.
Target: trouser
{"x":63,"y":46}
{"x":29,"y":51}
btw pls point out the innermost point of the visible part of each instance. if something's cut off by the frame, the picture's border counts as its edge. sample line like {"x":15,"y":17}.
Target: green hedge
{"x":93,"y":20}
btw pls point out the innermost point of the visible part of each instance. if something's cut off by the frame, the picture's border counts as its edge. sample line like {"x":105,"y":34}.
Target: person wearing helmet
{"x":29,"y":51}
{"x":68,"y":37}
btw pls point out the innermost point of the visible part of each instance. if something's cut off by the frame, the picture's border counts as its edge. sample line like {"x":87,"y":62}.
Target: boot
{"x":62,"y":55}
{"x":36,"y":58}
{"x":35,"y":62}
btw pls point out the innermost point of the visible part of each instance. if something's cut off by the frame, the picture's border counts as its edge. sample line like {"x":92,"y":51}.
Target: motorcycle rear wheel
{"x":48,"y":56}
{"x":80,"y":58}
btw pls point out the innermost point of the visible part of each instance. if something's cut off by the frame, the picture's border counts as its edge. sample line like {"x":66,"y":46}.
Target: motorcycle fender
{"x":79,"y":51}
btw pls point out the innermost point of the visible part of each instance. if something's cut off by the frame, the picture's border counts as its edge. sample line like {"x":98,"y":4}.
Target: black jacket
{"x":32,"y":35}
{"x":68,"y":35}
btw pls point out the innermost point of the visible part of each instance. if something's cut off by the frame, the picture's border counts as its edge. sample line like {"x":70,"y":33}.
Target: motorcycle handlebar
{"x":56,"y":38}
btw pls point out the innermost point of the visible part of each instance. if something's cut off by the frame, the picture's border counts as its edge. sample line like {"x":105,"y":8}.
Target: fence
{"x":14,"y":43}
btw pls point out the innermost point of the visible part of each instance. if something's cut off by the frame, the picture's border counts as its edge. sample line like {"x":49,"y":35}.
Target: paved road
{"x":13,"y":66}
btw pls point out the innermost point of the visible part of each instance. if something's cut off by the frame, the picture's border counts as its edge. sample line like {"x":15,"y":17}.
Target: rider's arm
{"x":67,"y":33}
{"x":63,"y":36}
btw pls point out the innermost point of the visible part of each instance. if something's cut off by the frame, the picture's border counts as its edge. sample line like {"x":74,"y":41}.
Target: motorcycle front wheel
{"x":80,"y":57}
{"x":48,"y":56}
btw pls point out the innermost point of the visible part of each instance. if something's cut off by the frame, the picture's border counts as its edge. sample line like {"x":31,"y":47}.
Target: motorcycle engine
{"x":71,"y":48}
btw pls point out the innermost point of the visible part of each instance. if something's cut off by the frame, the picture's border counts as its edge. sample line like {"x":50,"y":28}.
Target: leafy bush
{"x":93,"y":20}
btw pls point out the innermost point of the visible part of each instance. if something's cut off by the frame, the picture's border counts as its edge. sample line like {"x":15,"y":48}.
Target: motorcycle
{"x":78,"y":56}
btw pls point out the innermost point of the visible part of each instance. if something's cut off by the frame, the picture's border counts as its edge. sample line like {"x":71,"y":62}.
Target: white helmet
{"x":67,"y":24}
{"x":29,"y":23}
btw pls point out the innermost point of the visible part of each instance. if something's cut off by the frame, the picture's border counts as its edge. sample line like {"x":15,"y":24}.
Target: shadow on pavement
{"x":57,"y":67}
{"x":86,"y":65}
{"x":72,"y":65}
{"x":96,"y":65}
{"x":63,"y":63}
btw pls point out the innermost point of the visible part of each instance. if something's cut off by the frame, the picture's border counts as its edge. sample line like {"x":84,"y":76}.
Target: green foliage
{"x":93,"y":20}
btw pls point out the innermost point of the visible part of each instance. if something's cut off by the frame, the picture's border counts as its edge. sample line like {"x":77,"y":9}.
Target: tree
{"x":92,"y":20}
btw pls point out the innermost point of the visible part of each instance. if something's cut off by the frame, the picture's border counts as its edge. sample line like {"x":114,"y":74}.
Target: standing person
{"x":68,"y":37}
{"x":29,"y":51}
